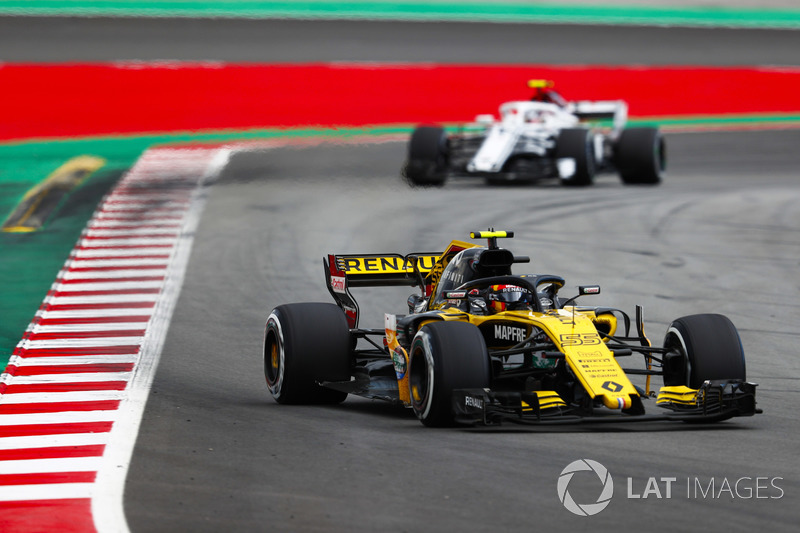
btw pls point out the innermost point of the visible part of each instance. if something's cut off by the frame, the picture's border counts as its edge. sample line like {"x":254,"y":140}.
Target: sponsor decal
{"x":455,"y":277}
{"x":611,"y":386}
{"x":539,"y":361}
{"x":509,"y":333}
{"x":399,"y":361}
{"x":436,"y":272}
{"x":594,"y":366}
{"x":508,"y":288}
{"x":337,"y":284}
{"x":385,"y":264}
{"x":471,"y":401}
{"x":455,"y":294}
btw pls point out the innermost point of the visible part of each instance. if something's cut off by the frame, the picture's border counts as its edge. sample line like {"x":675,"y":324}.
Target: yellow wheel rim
{"x":415,"y":394}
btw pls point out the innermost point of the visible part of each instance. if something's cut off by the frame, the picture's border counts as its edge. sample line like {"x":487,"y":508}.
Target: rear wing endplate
{"x":374,"y":270}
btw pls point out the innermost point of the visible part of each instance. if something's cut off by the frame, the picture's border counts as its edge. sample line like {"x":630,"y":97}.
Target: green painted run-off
{"x":503,"y":11}
{"x":29,"y":262}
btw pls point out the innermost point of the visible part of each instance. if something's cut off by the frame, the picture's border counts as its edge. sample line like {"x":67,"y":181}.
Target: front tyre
{"x":428,"y":157}
{"x":702,"y":347}
{"x":304,"y":344}
{"x":576,"y":144}
{"x":640,"y":156}
{"x":445,"y":356}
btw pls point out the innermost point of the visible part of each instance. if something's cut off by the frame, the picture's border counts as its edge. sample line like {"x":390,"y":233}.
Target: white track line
{"x":71,"y":328}
{"x":65,"y":417}
{"x":72,"y":378}
{"x":107,"y":504}
{"x":78,"y":287}
{"x":119,"y":252}
{"x":55,"y":491}
{"x":52,"y":441}
{"x":93,"y":313}
{"x":59,"y":397}
{"x":73,"y":360}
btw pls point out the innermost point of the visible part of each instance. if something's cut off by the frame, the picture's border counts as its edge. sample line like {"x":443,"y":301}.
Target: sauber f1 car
{"x":546,"y":137}
{"x":481,"y":345}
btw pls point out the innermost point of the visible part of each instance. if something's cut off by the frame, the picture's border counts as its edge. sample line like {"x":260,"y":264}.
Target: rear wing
{"x":344,"y":271}
{"x":616,"y":110}
{"x":376,"y":270}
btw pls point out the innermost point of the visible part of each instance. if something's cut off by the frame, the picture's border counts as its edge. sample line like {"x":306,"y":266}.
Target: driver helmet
{"x":509,"y":298}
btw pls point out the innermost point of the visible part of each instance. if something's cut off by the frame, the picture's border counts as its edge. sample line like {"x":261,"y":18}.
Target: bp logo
{"x":586,"y":509}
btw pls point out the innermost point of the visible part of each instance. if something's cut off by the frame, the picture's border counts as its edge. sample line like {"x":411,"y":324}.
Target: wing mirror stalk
{"x":583,"y":290}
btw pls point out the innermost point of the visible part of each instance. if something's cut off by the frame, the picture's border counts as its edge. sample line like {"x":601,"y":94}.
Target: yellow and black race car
{"x":481,"y":345}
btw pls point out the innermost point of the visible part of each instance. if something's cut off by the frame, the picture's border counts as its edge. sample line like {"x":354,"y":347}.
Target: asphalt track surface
{"x":216,"y":453}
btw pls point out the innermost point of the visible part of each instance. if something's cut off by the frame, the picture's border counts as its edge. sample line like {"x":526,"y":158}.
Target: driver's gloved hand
{"x":477,"y":306}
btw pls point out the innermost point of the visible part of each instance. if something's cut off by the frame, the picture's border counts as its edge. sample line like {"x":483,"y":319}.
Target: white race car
{"x":545,"y":137}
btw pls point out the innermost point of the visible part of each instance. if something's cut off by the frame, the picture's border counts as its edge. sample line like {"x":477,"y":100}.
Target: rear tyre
{"x":640,"y":156}
{"x":428,"y":157}
{"x":576,"y":143}
{"x":304,"y":344}
{"x":700,"y":348}
{"x":445,"y":356}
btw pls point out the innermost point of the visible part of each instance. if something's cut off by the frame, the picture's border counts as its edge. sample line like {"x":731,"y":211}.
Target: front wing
{"x":714,"y":401}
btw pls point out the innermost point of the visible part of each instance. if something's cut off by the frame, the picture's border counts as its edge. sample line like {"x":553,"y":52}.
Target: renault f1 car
{"x":546,"y":137}
{"x":481,"y":345}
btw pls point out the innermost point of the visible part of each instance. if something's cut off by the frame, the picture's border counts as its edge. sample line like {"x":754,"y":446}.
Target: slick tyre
{"x":702,"y":347}
{"x":305,"y":344}
{"x":428,"y":157}
{"x":576,"y":143}
{"x":445,"y":356}
{"x":640,"y":156}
